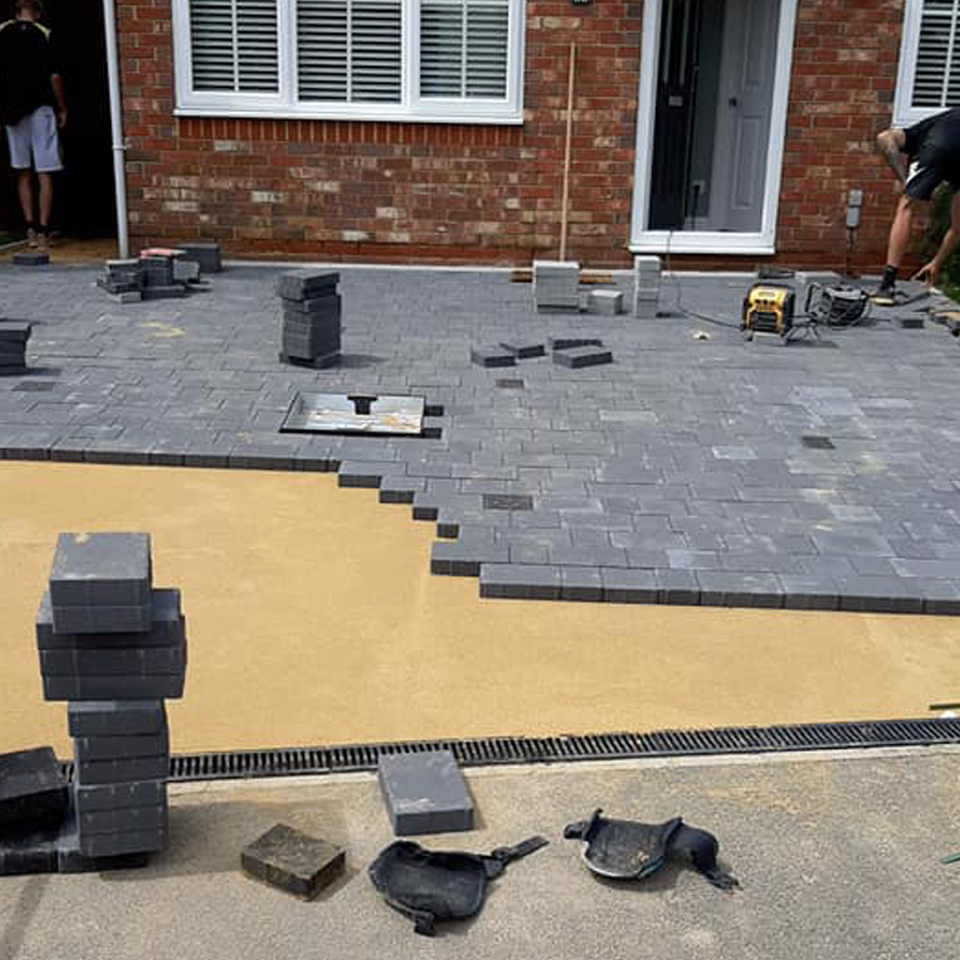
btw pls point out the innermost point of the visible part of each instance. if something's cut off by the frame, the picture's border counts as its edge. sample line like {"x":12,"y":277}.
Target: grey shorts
{"x":34,"y":142}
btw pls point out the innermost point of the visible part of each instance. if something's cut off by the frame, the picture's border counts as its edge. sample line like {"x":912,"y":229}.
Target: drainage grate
{"x":507,"y":501}
{"x":508,"y":384}
{"x":606,"y":746}
{"x":817,"y":443}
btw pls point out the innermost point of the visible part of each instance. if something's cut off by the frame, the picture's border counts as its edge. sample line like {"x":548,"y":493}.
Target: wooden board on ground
{"x":587,"y":277}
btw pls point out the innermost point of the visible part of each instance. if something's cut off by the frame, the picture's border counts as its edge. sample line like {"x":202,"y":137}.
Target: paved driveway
{"x":689,"y":471}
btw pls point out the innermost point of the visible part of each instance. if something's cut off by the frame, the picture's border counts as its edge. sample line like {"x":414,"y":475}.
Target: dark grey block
{"x":102,"y":569}
{"x":424,"y":793}
{"x":492,"y":356}
{"x":463,"y":558}
{"x":15,"y":332}
{"x":101,"y":619}
{"x":306,"y":284}
{"x":12,"y":370}
{"x":293,"y":861}
{"x":572,"y":343}
{"x":516,"y":581}
{"x":128,"y":841}
{"x":809,"y":592}
{"x":315,"y":363}
{"x":302,"y":325}
{"x":622,"y":585}
{"x":171,"y":291}
{"x":328,"y":305}
{"x":878,"y":595}
{"x":94,"y":772}
{"x":364,"y":473}
{"x":911,"y":322}
{"x":122,"y":661}
{"x":120,"y":796}
{"x":578,"y":357}
{"x":166,"y":628}
{"x":523,"y":350}
{"x":679,"y":587}
{"x":719,"y":588}
{"x":206,"y":253}
{"x":121,"y":747}
{"x":143,"y":819}
{"x":319,"y":343}
{"x":394,"y":489}
{"x":33,"y":791}
{"x":167,"y":687}
{"x":186,"y":271}
{"x":128,"y":718}
{"x":581,"y":583}
{"x":30,"y":259}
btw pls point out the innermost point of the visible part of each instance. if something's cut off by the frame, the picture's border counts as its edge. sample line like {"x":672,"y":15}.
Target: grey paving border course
{"x":678,"y":476}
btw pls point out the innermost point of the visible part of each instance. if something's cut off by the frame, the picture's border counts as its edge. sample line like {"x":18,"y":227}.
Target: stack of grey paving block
{"x":13,"y":347}
{"x":556,"y":286}
{"x":606,"y":302}
{"x":121,"y":278}
{"x":310,"y":334}
{"x":115,"y":648}
{"x":646,"y":286}
{"x":159,"y":276}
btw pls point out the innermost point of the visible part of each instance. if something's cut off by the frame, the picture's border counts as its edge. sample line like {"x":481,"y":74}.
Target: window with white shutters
{"x":234,"y":45}
{"x":438,"y":60}
{"x":463,"y":48}
{"x":929,"y":78}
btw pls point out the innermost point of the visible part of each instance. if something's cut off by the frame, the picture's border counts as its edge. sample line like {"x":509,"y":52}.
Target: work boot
{"x":43,"y":242}
{"x":886,"y":295}
{"x":31,"y":238}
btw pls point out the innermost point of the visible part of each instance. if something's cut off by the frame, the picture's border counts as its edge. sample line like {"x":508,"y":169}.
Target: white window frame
{"x":905,"y":115}
{"x":284,"y":104}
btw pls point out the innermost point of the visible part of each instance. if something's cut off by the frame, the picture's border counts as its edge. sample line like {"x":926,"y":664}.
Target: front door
{"x":714,"y":82}
{"x":744,"y":105}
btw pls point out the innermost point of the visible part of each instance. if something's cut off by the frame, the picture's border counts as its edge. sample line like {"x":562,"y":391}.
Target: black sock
{"x":889,"y":276}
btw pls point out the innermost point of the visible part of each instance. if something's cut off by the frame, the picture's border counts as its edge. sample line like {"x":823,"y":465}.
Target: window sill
{"x":359,"y":115}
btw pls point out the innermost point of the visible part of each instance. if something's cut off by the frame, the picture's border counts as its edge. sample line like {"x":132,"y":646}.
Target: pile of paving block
{"x":310,"y":334}
{"x":646,"y":286}
{"x":114,"y":648}
{"x":13,"y":347}
{"x":556,"y":286}
{"x":572,"y":352}
{"x":159,"y":272}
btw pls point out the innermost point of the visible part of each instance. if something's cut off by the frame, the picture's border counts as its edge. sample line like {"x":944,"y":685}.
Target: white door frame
{"x":643,"y":240}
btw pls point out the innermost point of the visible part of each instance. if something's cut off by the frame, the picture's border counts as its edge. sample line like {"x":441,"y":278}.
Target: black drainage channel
{"x":244,"y":764}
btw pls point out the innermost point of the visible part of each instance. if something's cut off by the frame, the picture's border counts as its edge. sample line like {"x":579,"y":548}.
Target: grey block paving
{"x":147,"y":818}
{"x":127,"y":841}
{"x":157,"y":687}
{"x":94,"y":772}
{"x":674,"y":463}
{"x":101,"y":619}
{"x":121,"y":748}
{"x":424,"y":792}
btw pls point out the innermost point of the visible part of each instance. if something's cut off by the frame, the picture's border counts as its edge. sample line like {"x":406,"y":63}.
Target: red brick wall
{"x":478,"y":193}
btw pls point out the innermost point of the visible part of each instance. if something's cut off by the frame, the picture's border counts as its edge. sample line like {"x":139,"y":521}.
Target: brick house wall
{"x":424,"y":192}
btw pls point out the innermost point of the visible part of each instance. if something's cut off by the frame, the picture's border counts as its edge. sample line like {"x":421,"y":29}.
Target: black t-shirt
{"x":28,"y":59}
{"x":935,"y":141}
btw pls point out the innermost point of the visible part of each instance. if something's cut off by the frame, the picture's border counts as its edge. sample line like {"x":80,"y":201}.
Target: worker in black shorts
{"x":922,"y":156}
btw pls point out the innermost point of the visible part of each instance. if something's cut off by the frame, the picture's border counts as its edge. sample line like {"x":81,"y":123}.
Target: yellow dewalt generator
{"x":768,"y":308}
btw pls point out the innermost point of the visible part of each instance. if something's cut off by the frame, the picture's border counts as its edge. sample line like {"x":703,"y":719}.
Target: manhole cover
{"x":507,"y":501}
{"x":354,"y":413}
{"x":818,"y":443}
{"x":508,"y":384}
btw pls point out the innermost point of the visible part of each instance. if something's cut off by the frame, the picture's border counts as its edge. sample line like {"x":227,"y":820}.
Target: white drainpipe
{"x":116,"y":127}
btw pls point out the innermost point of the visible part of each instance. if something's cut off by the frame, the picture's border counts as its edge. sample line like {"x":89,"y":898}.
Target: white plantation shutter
{"x":936,"y":82}
{"x":464,"y":48}
{"x":349,"y":50}
{"x":234,"y":45}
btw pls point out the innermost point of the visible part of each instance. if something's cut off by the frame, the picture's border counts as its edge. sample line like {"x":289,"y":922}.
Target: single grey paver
{"x":293,"y":861}
{"x":516,"y":581}
{"x":424,"y":792}
{"x":103,"y":569}
{"x":119,"y":796}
